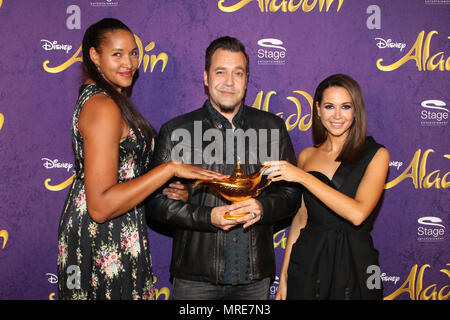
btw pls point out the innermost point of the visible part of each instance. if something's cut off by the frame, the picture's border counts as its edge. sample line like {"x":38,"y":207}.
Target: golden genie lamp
{"x":238,"y":187}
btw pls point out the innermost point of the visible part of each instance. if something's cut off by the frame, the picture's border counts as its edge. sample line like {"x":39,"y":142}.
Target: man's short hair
{"x":226,"y":43}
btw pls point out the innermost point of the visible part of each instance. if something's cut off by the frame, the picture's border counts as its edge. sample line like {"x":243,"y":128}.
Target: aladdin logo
{"x":145,"y":59}
{"x":420,"y":52}
{"x":272,"y":52}
{"x":415,"y":287}
{"x":420,"y":176}
{"x":283,"y":5}
{"x":432,"y":229}
{"x":382,"y":44}
{"x":48,"y":46}
{"x":434,"y":114}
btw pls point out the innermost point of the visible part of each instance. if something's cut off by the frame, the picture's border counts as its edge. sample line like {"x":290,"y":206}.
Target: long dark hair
{"x":354,"y":144}
{"x":93,"y":37}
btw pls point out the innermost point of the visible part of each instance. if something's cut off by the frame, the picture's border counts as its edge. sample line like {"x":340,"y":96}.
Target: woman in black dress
{"x":103,"y":250}
{"x":329,"y":246}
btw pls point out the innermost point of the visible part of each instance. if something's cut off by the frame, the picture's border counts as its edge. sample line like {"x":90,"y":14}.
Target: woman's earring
{"x":99,"y":71}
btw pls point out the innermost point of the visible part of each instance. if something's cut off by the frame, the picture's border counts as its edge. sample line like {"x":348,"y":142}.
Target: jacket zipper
{"x":218,"y":257}
{"x":252,"y":265}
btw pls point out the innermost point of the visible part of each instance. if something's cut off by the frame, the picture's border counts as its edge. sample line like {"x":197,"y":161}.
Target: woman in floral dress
{"x":103,"y":250}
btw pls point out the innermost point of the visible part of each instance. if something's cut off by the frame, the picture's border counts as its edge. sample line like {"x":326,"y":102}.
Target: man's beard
{"x":227,"y":109}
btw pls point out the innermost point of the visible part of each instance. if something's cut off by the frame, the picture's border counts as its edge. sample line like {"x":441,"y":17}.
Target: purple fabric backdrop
{"x":397,"y":50}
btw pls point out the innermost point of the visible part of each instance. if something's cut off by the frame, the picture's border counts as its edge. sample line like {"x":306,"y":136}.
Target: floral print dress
{"x":110,"y":260}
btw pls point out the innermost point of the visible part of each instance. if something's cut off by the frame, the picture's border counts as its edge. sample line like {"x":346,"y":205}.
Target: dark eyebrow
{"x":234,"y":68}
{"x":120,"y":49}
{"x":349,"y":102}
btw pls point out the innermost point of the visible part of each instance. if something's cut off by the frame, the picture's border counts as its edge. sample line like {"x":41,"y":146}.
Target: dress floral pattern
{"x":109,"y":260}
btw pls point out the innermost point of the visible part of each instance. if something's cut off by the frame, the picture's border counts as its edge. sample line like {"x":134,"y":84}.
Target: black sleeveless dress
{"x":330,"y":258}
{"x":108,"y":260}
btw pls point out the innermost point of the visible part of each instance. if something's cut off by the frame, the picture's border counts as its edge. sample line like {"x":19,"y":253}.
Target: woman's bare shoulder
{"x":304,"y":155}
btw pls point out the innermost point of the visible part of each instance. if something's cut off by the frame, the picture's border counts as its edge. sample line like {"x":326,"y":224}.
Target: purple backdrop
{"x":398,"y":51}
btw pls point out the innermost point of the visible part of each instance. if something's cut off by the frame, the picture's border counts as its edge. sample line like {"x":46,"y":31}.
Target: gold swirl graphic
{"x":236,"y":6}
{"x":139,"y":45}
{"x":63,"y":66}
{"x":153,"y":59}
{"x":4,"y":234}
{"x":302,"y":125}
{"x":60,"y":186}
{"x":1,"y":2}
{"x":258,"y":100}
{"x":281,"y":235}
{"x":297,"y":117}
{"x":163,"y":291}
{"x":51,"y":296}
{"x":446,"y":271}
{"x":2,"y":118}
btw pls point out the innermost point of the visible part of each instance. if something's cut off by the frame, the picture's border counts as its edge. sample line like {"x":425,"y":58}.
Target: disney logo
{"x":52,"y":164}
{"x":48,"y":45}
{"x":396,"y":164}
{"x":382,"y":44}
{"x":385,"y":278}
{"x":52,"y":278}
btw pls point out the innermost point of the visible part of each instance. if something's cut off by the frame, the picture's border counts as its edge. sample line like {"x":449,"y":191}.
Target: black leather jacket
{"x":198,"y":246}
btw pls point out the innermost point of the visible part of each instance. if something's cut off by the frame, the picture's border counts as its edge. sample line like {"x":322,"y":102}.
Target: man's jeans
{"x":196,"y":290}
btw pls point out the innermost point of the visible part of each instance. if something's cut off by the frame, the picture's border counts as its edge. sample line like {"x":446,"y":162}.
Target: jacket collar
{"x":220,"y":121}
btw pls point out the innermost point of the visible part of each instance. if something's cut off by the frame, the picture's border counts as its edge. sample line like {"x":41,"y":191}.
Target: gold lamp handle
{"x":258,"y":191}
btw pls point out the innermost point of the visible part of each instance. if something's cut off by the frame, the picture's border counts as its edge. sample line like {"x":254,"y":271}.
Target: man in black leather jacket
{"x":213,"y":257}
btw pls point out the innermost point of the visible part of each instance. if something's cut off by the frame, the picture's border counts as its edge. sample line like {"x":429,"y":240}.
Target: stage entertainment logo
{"x":274,"y":288}
{"x":271,"y":52}
{"x":105,"y":3}
{"x":434,"y":113}
{"x":435,"y":2}
{"x":431,"y":229}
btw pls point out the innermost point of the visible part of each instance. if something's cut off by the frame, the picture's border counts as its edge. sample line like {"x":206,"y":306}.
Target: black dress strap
{"x":343,"y":172}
